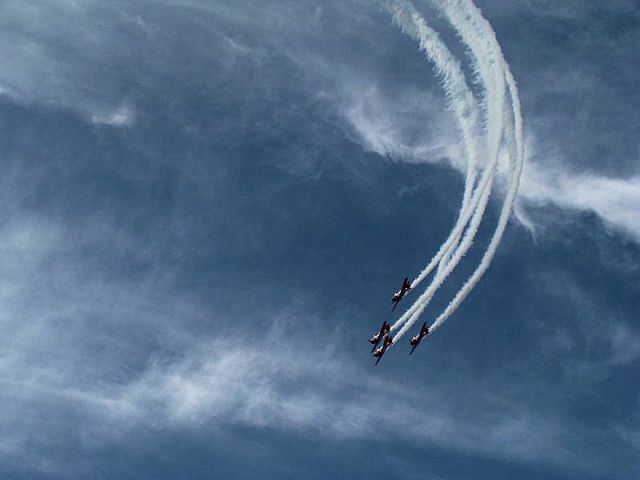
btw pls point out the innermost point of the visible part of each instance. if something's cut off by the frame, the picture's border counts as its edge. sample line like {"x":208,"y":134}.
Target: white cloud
{"x":408,"y":125}
{"x":56,"y":54}
{"x":284,"y":381}
{"x":615,"y":200}
{"x":281,"y":384}
{"x":71,"y":342}
{"x":120,"y":117}
{"x":414,"y":127}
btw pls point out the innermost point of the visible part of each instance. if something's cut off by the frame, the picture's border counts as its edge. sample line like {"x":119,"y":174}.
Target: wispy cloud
{"x":406,"y":125}
{"x":615,"y":200}
{"x":407,"y":128}
{"x":287,"y":383}
{"x":121,"y":116}
{"x":54,"y":53}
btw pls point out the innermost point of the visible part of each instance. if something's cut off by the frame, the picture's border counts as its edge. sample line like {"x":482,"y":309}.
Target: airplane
{"x":399,"y":295}
{"x":384,"y":329}
{"x":415,"y":341}
{"x":388,"y":340}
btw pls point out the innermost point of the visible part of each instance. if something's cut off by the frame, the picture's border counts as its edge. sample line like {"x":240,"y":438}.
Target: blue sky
{"x":207,"y":205}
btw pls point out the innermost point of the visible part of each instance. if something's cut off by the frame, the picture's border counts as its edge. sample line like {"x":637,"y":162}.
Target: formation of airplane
{"x":385,"y":328}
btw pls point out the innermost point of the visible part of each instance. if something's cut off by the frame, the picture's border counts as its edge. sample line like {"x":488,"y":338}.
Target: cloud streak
{"x":546,"y":180}
{"x":615,"y":200}
{"x":281,"y":385}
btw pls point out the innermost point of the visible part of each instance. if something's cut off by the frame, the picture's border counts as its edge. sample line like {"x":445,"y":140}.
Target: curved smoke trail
{"x":412,"y":23}
{"x":472,"y":28}
{"x":516,"y":157}
{"x":415,"y":25}
{"x":501,"y":120}
{"x":460,"y":96}
{"x":485,"y":43}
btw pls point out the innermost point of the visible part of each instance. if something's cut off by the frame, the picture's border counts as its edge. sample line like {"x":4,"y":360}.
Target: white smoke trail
{"x":412,"y":23}
{"x":411,"y":315}
{"x":516,"y":154}
{"x":491,"y":67}
{"x":460,"y":96}
{"x":495,"y":97}
{"x":487,"y":64}
{"x":483,"y":63}
{"x":483,"y":73}
{"x":514,"y":138}
{"x":485,"y":40}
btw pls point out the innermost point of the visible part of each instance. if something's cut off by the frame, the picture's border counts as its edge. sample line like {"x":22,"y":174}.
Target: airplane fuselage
{"x":388,"y":340}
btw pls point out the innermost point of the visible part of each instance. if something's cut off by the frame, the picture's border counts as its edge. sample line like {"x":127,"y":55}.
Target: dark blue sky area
{"x":209,"y":203}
